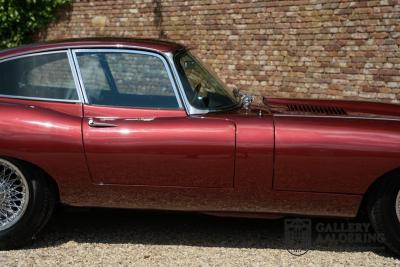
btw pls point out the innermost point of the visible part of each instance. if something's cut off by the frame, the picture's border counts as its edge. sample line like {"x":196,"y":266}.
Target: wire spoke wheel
{"x":398,"y":206}
{"x":14,"y":194}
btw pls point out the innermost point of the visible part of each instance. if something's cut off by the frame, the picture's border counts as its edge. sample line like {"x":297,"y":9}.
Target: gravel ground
{"x":114,"y":237}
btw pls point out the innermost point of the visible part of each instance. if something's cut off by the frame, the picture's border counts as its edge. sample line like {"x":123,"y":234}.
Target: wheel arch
{"x":52,"y":182}
{"x":374,"y":187}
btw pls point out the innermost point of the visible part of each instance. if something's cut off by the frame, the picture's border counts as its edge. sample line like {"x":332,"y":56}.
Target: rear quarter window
{"x":38,"y":76}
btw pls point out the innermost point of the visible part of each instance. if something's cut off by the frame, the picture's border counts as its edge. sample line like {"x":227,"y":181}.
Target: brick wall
{"x":304,"y":48}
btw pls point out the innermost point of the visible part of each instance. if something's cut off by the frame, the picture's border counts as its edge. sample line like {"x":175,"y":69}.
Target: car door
{"x":136,"y":132}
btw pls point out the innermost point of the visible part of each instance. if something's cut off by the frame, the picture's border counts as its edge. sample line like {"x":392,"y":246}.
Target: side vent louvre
{"x":330,"y":110}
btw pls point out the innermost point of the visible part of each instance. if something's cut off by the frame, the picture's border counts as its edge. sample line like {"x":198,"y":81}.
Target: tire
{"x":36,"y":204}
{"x":382,"y":212}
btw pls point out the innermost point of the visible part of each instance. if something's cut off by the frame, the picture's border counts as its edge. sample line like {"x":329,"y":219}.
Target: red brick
{"x":303,"y":48}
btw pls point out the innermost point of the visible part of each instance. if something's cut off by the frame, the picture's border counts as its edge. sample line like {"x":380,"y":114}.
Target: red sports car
{"x":144,"y":124}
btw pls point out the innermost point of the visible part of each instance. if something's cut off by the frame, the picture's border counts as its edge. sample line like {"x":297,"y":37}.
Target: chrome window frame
{"x":79,"y":100}
{"x":191,"y":110}
{"x":127,"y":51}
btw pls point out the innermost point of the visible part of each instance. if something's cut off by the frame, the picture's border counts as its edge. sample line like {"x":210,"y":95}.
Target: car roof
{"x":143,"y":44}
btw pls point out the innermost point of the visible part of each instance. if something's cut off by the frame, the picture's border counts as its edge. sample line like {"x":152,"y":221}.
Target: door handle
{"x":98,"y":124}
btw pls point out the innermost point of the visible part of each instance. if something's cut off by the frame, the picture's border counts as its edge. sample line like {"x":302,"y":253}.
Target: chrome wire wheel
{"x":14,"y":194}
{"x":398,"y":206}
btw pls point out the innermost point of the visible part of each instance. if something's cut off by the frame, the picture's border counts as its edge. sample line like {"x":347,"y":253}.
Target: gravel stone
{"x":105,"y":237}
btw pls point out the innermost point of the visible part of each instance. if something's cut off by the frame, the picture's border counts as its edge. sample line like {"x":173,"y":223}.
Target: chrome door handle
{"x":98,"y":124}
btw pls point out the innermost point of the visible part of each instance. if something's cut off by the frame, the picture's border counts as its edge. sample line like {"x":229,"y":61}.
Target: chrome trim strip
{"x":33,"y":54}
{"x":39,"y":98}
{"x":80,"y":80}
{"x":42,"y":98}
{"x":128,"y":51}
{"x":141,"y":119}
{"x":75,"y":76}
{"x":171,"y":62}
{"x":81,"y":46}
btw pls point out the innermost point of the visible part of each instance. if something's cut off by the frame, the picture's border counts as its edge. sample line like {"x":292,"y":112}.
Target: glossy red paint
{"x":55,"y":145}
{"x":331,"y":154}
{"x":265,"y":160}
{"x":159,"y":148}
{"x":72,"y":109}
{"x":46,"y":134}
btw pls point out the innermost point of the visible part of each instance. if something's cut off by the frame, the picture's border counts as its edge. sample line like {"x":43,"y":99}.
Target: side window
{"x":93,"y":75}
{"x":41,"y":76}
{"x":126,"y":79}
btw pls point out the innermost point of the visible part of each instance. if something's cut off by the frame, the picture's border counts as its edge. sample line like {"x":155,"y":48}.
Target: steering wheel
{"x":196,"y":92}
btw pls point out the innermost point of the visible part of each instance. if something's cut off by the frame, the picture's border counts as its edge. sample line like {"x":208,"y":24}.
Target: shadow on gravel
{"x":110,"y":226}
